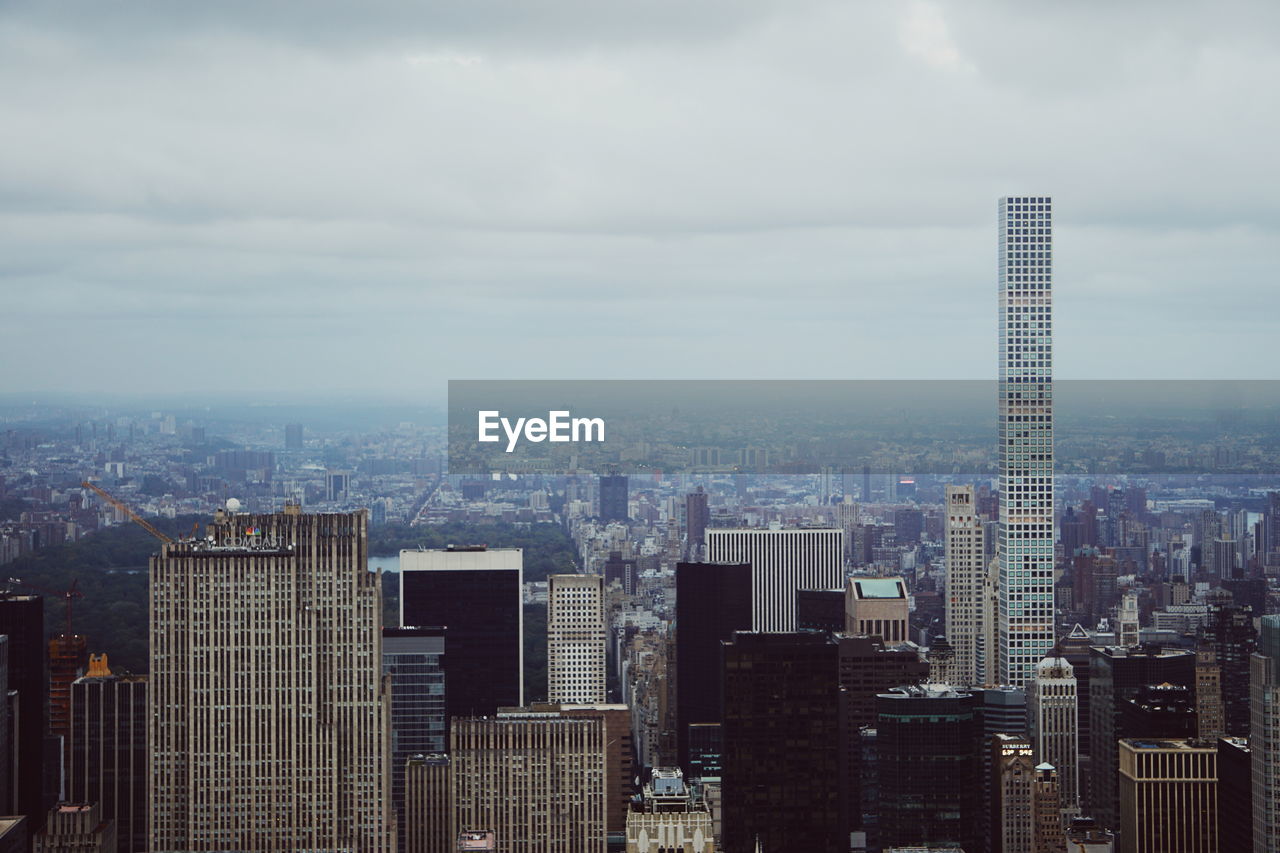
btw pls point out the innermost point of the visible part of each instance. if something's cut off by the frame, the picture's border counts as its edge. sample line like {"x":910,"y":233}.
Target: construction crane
{"x":124,"y":507}
{"x":68,"y":596}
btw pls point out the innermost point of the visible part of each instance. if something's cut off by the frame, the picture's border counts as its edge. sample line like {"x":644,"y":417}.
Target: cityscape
{"x":228,"y":629}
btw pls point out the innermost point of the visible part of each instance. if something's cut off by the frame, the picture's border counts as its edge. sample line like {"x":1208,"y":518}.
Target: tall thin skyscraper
{"x":782,"y":561}
{"x":696,"y":514}
{"x":614,"y":497}
{"x":475,"y":592}
{"x":575,"y":639}
{"x":1025,"y":409}
{"x":268,"y":718}
{"x":966,"y":610}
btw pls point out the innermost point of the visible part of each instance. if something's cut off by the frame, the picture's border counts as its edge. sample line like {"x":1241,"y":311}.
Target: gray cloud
{"x":395,"y":194}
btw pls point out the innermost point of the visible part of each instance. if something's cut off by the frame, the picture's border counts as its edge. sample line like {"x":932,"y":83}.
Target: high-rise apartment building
{"x":1053,"y":715}
{"x":965,"y":610}
{"x":1168,"y":796}
{"x":1025,"y":411}
{"x":107,"y":750}
{"x":575,"y":639}
{"x":68,"y":660}
{"x":268,"y":717}
{"x":782,"y":561}
{"x":475,"y":593}
{"x":536,"y":779}
{"x":1233,"y":639}
{"x":22,"y":619}
{"x":712,"y":602}
{"x":413,"y":661}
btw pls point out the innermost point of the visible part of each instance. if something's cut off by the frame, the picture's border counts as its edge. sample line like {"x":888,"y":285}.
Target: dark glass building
{"x":1229,"y":632}
{"x":613,"y":497}
{"x":781,"y":726}
{"x":1235,"y":795}
{"x":926,"y":740}
{"x":475,"y":594}
{"x":414,"y":660}
{"x":713,"y":600}
{"x":820,"y":610}
{"x":1116,"y":675}
{"x":22,"y":619}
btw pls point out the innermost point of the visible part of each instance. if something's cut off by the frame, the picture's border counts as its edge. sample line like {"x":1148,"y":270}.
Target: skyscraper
{"x":1168,"y":796}
{"x":696,"y":514}
{"x":1231,"y":635}
{"x":266,"y":688}
{"x":926,"y":739}
{"x":575,"y":639}
{"x":428,"y":803}
{"x":966,"y":609}
{"x":536,"y":779}
{"x":293,"y":437}
{"x":1053,"y":714}
{"x":413,"y":659}
{"x":1025,"y":410}
{"x":878,"y":607}
{"x":1013,"y":767}
{"x":781,"y":730}
{"x":782,"y":561}
{"x":613,"y":498}
{"x":475,"y":593}
{"x":712,"y":601}
{"x":1264,"y":735}
{"x":107,"y":750}
{"x":22,"y":619}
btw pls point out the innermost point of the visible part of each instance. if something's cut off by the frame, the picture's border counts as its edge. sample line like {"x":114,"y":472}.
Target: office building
{"x":926,"y":738}
{"x":966,"y":609}
{"x":1025,"y":412}
{"x":473,"y":592}
{"x":575,"y":639}
{"x":1053,"y":715}
{"x":1014,"y":772}
{"x":535,"y":779}
{"x":275,"y":617}
{"x":620,"y":767}
{"x":1233,"y":639}
{"x":878,"y":607}
{"x":1168,"y":796}
{"x":996,"y":711}
{"x":712,"y":602}
{"x":413,"y":662}
{"x":614,"y":498}
{"x":781,"y":733}
{"x":22,"y":619}
{"x":107,"y":750}
{"x":669,"y":817}
{"x":76,"y":828}
{"x":820,"y":610}
{"x":337,"y":485}
{"x":428,"y":804}
{"x":1235,"y":795}
{"x":1117,"y":675}
{"x":1264,"y":735}
{"x":782,"y":561}
{"x":1210,"y":718}
{"x":622,"y":571}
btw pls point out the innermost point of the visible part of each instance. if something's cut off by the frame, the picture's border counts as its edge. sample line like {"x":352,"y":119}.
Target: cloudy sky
{"x":376,"y":197}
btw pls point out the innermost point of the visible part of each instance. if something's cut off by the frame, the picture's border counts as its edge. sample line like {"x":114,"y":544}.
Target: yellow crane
{"x":124,"y":507}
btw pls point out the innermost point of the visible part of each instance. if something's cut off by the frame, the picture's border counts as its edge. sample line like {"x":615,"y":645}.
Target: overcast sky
{"x":380,"y":196}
